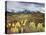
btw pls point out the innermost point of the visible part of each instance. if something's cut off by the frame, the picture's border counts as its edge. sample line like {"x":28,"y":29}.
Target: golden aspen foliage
{"x":32,"y":26}
{"x":8,"y":25}
{"x":40,"y":27}
{"x":13,"y":24}
{"x":18,"y":24}
{"x":14,"y":29}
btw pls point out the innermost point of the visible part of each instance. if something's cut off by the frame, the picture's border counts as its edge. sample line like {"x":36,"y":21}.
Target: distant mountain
{"x":29,"y":12}
{"x":25,"y":11}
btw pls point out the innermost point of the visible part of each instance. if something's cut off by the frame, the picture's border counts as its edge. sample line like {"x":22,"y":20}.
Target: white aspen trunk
{"x":21,"y":29}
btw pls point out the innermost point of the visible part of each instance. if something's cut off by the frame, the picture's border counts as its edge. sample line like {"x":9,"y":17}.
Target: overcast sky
{"x":20,"y":6}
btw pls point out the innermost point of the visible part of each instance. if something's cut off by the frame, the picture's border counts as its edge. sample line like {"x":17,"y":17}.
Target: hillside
{"x":25,"y":21}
